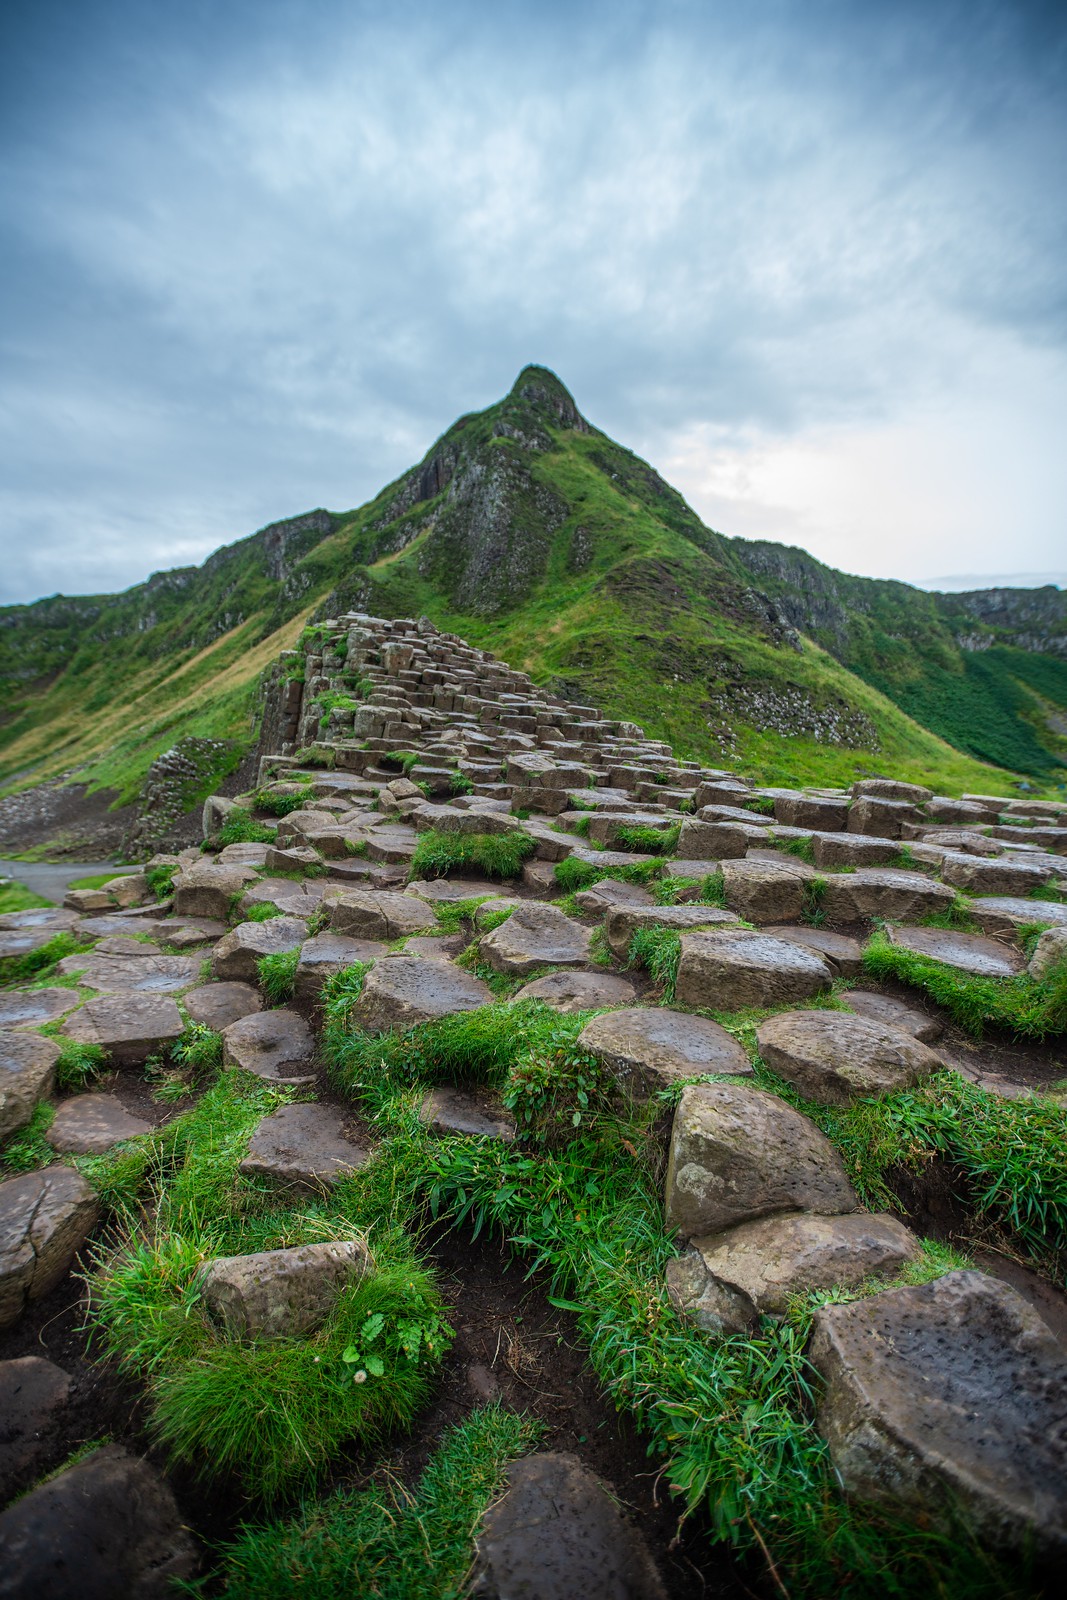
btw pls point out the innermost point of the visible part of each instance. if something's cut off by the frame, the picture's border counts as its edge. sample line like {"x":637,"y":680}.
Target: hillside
{"x":531,"y":533}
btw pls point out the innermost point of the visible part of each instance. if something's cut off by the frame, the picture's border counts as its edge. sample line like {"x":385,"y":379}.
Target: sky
{"x":807,"y":258}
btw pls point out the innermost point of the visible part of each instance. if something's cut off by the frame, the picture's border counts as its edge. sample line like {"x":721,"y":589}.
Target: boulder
{"x":326,"y":954}
{"x":891,"y":789}
{"x":216,"y":1005}
{"x":622,"y":922}
{"x":892,"y":1013}
{"x":811,"y":811}
{"x":979,"y":875}
{"x":1004,"y":913}
{"x":579,"y":991}
{"x":277,"y":1046}
{"x":766,"y":891}
{"x":129,"y":1027}
{"x":293,"y":899}
{"x":727,"y":1281}
{"x":844,"y":955}
{"x":208,"y":889}
{"x":281,"y":1293}
{"x":609,"y":892}
{"x":89,"y":1124}
{"x":447,"y":1110}
{"x":27,"y":1074}
{"x":1049,"y":951}
{"x":737,"y":1153}
{"x":835,"y":1057}
{"x":236,"y":958}
{"x":717,"y":841}
{"x":303,"y":1146}
{"x":835,"y":850}
{"x":447,"y":891}
{"x":363,"y":915}
{"x":949,"y":1400}
{"x":534,"y":936}
{"x":556,"y":1534}
{"x":405,"y":990}
{"x":45,"y":1218}
{"x":647,"y":1049}
{"x":33,"y":1397}
{"x":871,"y":814}
{"x":28,"y":1008}
{"x":882,"y":892}
{"x":106,"y":1528}
{"x":969,"y":952}
{"x":732,"y":969}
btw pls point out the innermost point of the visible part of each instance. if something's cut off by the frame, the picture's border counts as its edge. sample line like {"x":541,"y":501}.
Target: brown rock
{"x":844,"y":955}
{"x":28,"y":1008}
{"x":89,"y":1124}
{"x":45,"y":1218}
{"x":27,"y":1074}
{"x":276,"y":1045}
{"x":206,"y":890}
{"x":216,"y":1005}
{"x":731,"y":969}
{"x":447,"y":1110}
{"x":304,"y":1147}
{"x":622,"y":922}
{"x":766,"y":891}
{"x":236,"y":958}
{"x":883,"y":1009}
{"x":882,"y":892}
{"x":579,"y":991}
{"x":535,"y":935}
{"x":649,"y":1048}
{"x":129,"y":1027}
{"x":33,"y":1396}
{"x":281,"y":1293}
{"x":968,"y":952}
{"x":404,"y":990}
{"x":835,"y":1057}
{"x":385,"y":916}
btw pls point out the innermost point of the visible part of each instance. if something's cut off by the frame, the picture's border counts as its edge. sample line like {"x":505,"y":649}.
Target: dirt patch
{"x":65,"y":819}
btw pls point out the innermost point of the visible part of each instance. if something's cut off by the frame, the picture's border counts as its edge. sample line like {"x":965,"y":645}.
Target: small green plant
{"x":459,"y":783}
{"x":957,"y":915}
{"x":28,"y":1149}
{"x":498,"y":855}
{"x":262,"y":911}
{"x":573,"y":874}
{"x":78,"y":1064}
{"x":813,"y":911}
{"x":283,"y":805}
{"x":554,"y":1091}
{"x":453,"y":915}
{"x":804,"y":849}
{"x":659,"y":950}
{"x":161,"y":880}
{"x":199,"y":1049}
{"x":239,"y":827}
{"x":277,"y":975}
{"x":39,"y":965}
{"x":647,"y":840}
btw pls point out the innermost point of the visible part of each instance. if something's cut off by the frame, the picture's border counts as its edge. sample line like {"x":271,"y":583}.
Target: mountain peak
{"x":543,"y":391}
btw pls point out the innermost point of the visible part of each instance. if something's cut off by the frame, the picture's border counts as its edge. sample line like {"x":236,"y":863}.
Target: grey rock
{"x":28,"y":1008}
{"x":766,"y":891}
{"x":130,"y":973}
{"x":737,"y":1153}
{"x":448,"y":1109}
{"x":129,"y":1027}
{"x":579,"y":991}
{"x":281,"y":1293}
{"x":405,"y":990}
{"x":891,"y":1013}
{"x":206,"y":889}
{"x":845,"y":955}
{"x":731,"y":969}
{"x":622,"y":922}
{"x":833,"y":850}
{"x":326,"y":954}
{"x":949,"y":1396}
{"x":535,"y":935}
{"x":835,"y":1057}
{"x":277,"y":1046}
{"x":882,"y":892}
{"x":236,"y":958}
{"x":33,"y":1396}
{"x":303,"y":1146}
{"x":446,"y":891}
{"x":88,"y":1124}
{"x":384,"y":916}
{"x":979,"y":875}
{"x":647,"y":1049}
{"x":1004,"y":913}
{"x":216,"y":1005}
{"x":45,"y":1218}
{"x":107,"y":1528}
{"x":969,"y":952}
{"x":609,"y":892}
{"x":27,"y":1074}
{"x":1049,"y":952}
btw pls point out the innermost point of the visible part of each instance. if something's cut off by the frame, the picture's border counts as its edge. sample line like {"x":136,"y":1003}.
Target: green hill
{"x":531,"y":533}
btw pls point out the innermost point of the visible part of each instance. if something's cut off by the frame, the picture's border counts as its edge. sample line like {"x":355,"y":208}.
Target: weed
{"x":78,"y":1064}
{"x":957,"y":915}
{"x":459,"y":783}
{"x":813,"y":911}
{"x":283,"y":805}
{"x":161,"y":879}
{"x":804,"y":849}
{"x":239,"y":827}
{"x":199,"y":1049}
{"x":659,"y":950}
{"x":452,"y":915}
{"x":262,"y":911}
{"x":277,"y":975}
{"x":573,"y":874}
{"x":498,"y":855}
{"x":28,"y":1149}
{"x":38,"y":965}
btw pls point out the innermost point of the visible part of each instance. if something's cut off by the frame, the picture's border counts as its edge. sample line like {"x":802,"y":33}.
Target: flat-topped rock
{"x":883,"y":892}
{"x":449,"y":1109}
{"x":811,"y":811}
{"x":844,"y":954}
{"x":326,"y":954}
{"x":835,"y":1057}
{"x":836,"y":850}
{"x":737,"y":1153}
{"x":883,"y":817}
{"x":216,"y":1005}
{"x":304,"y":1147}
{"x":622,"y":922}
{"x":649,"y":1048}
{"x":42,"y":919}
{"x":556,"y":1534}
{"x":34,"y":1394}
{"x":404,"y":990}
{"x":579,"y":991}
{"x":207,"y":889}
{"x":979,"y":875}
{"x":945,"y":1399}
{"x":27,"y":1074}
{"x":723,"y":840}
{"x":915,"y":794}
{"x":130,"y":973}
{"x":236,"y":958}
{"x":277,"y":1046}
{"x":535,"y":935}
{"x":610,"y":892}
{"x":447,"y":891}
{"x":893,"y":1013}
{"x":191,"y":933}
{"x":727,"y":1281}
{"x":244,"y":855}
{"x":281,"y":1293}
{"x":106,"y":1528}
{"x":292,"y":898}
{"x":45,"y":1218}
{"x":89,"y":1124}
{"x":766,"y":891}
{"x":129,"y":1027}
{"x":384,"y":916}
{"x":1004,"y":913}
{"x":969,"y":952}
{"x":732,"y":969}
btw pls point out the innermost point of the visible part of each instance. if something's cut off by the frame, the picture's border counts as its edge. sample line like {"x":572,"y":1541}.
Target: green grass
{"x":14,"y":896}
{"x":647,"y":840}
{"x":658,"y":950}
{"x":28,"y":1149}
{"x":1027,"y":1007}
{"x":239,"y":827}
{"x":813,"y":911}
{"x":498,"y":855}
{"x":97,"y":882}
{"x":78,"y":1064}
{"x":405,"y":1544}
{"x":277,"y":975}
{"x":282,"y":805}
{"x":572,"y":874}
{"x":454,"y":915}
{"x":161,"y":880}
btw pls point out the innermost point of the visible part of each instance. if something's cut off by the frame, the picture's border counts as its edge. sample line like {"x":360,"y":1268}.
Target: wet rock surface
{"x":647,"y":1049}
{"x":730,"y":970}
{"x":89,"y":1124}
{"x":129,"y":1027}
{"x":45,"y":1218}
{"x":404,"y":990}
{"x":833,"y":1057}
{"x":989,"y":958}
{"x":535,"y":936}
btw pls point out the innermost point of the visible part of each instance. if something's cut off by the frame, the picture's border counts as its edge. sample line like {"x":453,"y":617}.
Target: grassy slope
{"x":600,"y":576}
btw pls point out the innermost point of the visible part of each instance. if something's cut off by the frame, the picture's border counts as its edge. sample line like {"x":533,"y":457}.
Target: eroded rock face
{"x":649,"y":1048}
{"x":236,"y":958}
{"x":737,"y":1153}
{"x":883,"y":892}
{"x":979,"y":875}
{"x":766,"y":891}
{"x":534,"y":936}
{"x":27,"y":1074}
{"x":835,"y":1057}
{"x":953,"y":1394}
{"x":1049,"y":952}
{"x":207,"y":889}
{"x":844,"y":955}
{"x":281,"y":1293}
{"x":106,"y":1528}
{"x":130,"y":1027}
{"x":276,"y":1045}
{"x":579,"y":991}
{"x":303,"y":1146}
{"x":324,"y":956}
{"x":969,"y":952}
{"x":216,"y":1005}
{"x":45,"y":1218}
{"x":734,"y":969}
{"x":405,"y":990}
{"x":556,"y":1534}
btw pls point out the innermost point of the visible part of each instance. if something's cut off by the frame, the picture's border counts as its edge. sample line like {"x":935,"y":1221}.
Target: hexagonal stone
{"x":28,"y":1008}
{"x":405,"y":990}
{"x":128,"y":972}
{"x":578,"y":991}
{"x":556,"y":1534}
{"x":536,"y":935}
{"x":844,"y":954}
{"x":130,"y":1027}
{"x":885,"y":818}
{"x":293,"y":899}
{"x":33,"y":1396}
{"x":970,"y":952}
{"x":766,"y":891}
{"x":45,"y":1218}
{"x":833,"y":850}
{"x":276,"y":1045}
{"x":384,"y":916}
{"x":27,"y":1074}
{"x":949,"y":1398}
{"x":326,"y":954}
{"x":892,"y":1013}
{"x":236,"y":958}
{"x":107,"y":1526}
{"x":704,"y":840}
{"x":448,"y":1109}
{"x":811,"y":811}
{"x":303,"y":1146}
{"x":44,"y":919}
{"x":731,"y":969}
{"x":207,"y":890}
{"x":737,"y":1153}
{"x":622,"y":922}
{"x":281,"y":1293}
{"x":216,"y":1005}
{"x":979,"y":875}
{"x":727,"y":1281}
{"x":1005,"y":913}
{"x":89,"y":1124}
{"x":649,"y":1048}
{"x":882,"y":892}
{"x":449,"y":890}
{"x":835,"y":1057}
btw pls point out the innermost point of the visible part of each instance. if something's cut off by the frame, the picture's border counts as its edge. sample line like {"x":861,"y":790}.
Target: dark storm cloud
{"x":257,"y":256}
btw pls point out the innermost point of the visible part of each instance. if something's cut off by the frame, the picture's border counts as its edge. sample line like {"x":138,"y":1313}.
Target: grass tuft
{"x":659,"y":950}
{"x":277,"y":975}
{"x":498,"y":855}
{"x":1028,"y":1007}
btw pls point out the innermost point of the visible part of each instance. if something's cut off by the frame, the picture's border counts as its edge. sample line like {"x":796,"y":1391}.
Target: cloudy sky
{"x":809,"y":258}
